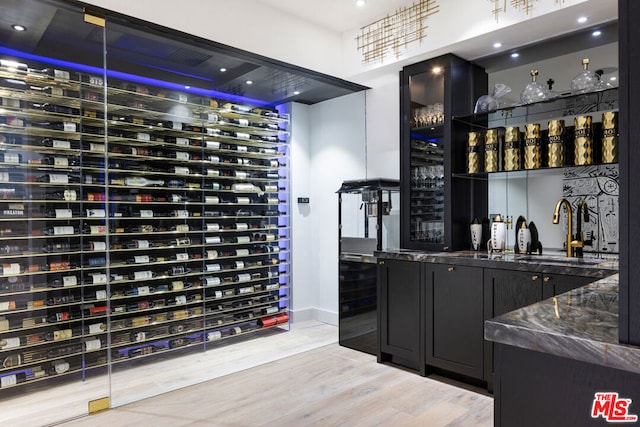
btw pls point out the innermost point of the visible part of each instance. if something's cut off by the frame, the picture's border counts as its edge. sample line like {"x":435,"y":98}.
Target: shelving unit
{"x":134,"y":220}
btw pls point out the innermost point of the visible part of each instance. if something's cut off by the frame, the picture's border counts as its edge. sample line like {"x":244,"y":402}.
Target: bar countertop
{"x":581,"y":324}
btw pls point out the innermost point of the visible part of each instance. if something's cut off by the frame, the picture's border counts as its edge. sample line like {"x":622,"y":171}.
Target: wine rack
{"x":134,"y":220}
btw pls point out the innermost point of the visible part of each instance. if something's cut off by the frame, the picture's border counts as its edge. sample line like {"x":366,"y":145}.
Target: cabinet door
{"x":555,"y":284}
{"x":506,"y":291}
{"x":436,"y":208}
{"x":399,"y":312}
{"x":454,"y":319}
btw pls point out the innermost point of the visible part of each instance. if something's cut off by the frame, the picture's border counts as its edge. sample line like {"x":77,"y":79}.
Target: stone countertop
{"x":581,"y":324}
{"x":553,"y":263}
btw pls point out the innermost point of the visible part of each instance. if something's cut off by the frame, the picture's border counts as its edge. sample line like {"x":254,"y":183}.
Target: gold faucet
{"x":556,"y":220}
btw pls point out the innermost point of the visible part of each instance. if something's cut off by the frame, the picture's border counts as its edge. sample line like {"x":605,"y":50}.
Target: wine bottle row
{"x":134,"y":220}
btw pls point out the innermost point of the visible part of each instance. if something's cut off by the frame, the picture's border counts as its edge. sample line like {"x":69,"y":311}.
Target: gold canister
{"x":532,"y":146}
{"x":491,"y":151}
{"x":583,"y":141}
{"x":555,"y":144}
{"x":473,"y":152}
{"x":512,"y":148}
{"x":610,"y":137}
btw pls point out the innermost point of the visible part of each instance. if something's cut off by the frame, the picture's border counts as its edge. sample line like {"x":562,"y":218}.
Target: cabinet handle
{"x":535,"y":277}
{"x":381,"y":263}
{"x":445,"y":248}
{"x":451,"y":268}
{"x":546,"y":278}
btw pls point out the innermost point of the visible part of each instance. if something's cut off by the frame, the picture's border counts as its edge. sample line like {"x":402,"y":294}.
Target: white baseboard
{"x":312,"y":313}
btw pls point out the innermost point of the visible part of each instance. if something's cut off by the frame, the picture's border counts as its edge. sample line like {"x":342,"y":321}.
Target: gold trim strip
{"x":99,"y":405}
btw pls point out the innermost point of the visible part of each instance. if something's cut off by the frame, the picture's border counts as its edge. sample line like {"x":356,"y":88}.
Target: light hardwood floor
{"x":328,"y":386}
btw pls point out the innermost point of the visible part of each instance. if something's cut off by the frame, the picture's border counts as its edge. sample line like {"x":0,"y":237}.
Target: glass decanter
{"x":534,"y":91}
{"x":585,"y":81}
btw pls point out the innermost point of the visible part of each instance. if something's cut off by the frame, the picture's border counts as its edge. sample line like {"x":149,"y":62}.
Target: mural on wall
{"x":501,"y":6}
{"x":395,"y":32}
{"x":598,"y":186}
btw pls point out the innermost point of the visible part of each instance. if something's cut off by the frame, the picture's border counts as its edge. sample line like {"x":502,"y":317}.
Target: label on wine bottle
{"x":182,"y":228}
{"x":179,"y":170}
{"x":242,"y":226}
{"x":242,"y":161}
{"x":211,"y":200}
{"x":57,"y":143}
{"x":101,"y":294}
{"x":58,"y":179}
{"x":243,"y":200}
{"x":142,"y":244}
{"x":244,"y":277}
{"x":272,"y":200}
{"x":212,"y":144}
{"x":239,"y":264}
{"x":96,"y":147}
{"x":181,"y":299}
{"x":7,"y":305}
{"x":61,"y":367}
{"x":13,"y":158}
{"x":98,"y":229}
{"x":61,"y":75}
{"x":4,"y":177}
{"x":272,"y":286}
{"x":143,"y":136}
{"x":212,"y":254}
{"x":181,"y":213}
{"x":271,"y":310}
{"x":242,"y":135}
{"x":211,"y":281}
{"x":98,"y":278}
{"x":96,"y":213}
{"x":245,"y":290}
{"x":182,"y":256}
{"x":140,"y":259}
{"x":142,"y":290}
{"x":213,"y":159}
{"x":270,"y":237}
{"x":69,"y":127}
{"x":96,"y":328}
{"x":213,"y":172}
{"x":182,"y":141}
{"x":242,"y":148}
{"x":60,"y":161}
{"x":92,"y":345}
{"x":138,"y":275}
{"x":217,"y":294}
{"x":8,"y":380}
{"x":213,"y":227}
{"x":240,"y":174}
{"x":63,"y":230}
{"x":63,"y":213}
{"x":243,"y":239}
{"x":69,"y":281}
{"x":98,"y":246}
{"x":177,"y":285}
{"x":242,"y":252}
{"x":213,"y":239}
{"x":146,"y":213}
{"x":181,"y":155}
{"x":213,"y":336}
{"x":13,"y":268}
{"x":62,"y":334}
{"x":70,"y":195}
{"x":213,"y":267}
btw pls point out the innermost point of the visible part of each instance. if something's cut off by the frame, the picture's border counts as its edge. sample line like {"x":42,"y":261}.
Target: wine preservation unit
{"x":133,"y":220}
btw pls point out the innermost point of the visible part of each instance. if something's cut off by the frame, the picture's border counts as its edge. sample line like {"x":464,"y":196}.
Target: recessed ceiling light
{"x":582,"y":19}
{"x":249,"y":82}
{"x":187,"y":87}
{"x":596,"y":33}
{"x":18,"y":27}
{"x":222,"y":70}
{"x":515,"y":54}
{"x":497,"y":45}
{"x":614,"y":78}
{"x":360,"y":3}
{"x":436,"y":70}
{"x":297,"y":92}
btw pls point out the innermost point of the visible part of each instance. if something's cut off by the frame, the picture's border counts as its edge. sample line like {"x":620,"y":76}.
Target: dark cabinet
{"x":454,"y":318}
{"x":437,"y":208}
{"x":400,"y":332}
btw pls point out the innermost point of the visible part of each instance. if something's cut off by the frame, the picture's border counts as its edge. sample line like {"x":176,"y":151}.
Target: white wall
{"x":337,"y":154}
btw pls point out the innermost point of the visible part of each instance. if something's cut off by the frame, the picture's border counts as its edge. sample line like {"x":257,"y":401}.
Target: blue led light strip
{"x":133,"y":78}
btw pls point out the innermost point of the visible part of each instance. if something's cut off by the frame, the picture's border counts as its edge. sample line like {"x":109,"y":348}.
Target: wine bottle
{"x":11,"y":158}
{"x":56,"y":247}
{"x":140,"y":290}
{"x":63,"y":299}
{"x":58,"y":178}
{"x":64,"y":126}
{"x":63,"y":230}
{"x":97,"y":278}
{"x":141,"y":275}
{"x":9,"y":380}
{"x":139,"y":244}
{"x":94,"y":229}
{"x":64,"y":281}
{"x":143,"y":182}
{"x":181,"y":228}
{"x":176,"y":183}
{"x":140,"y":259}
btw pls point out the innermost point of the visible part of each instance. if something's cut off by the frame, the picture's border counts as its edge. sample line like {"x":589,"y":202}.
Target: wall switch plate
{"x":303,"y":200}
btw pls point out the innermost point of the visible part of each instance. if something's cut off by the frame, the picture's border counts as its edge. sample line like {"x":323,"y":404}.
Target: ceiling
{"x":55,"y":29}
{"x":338,"y":15}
